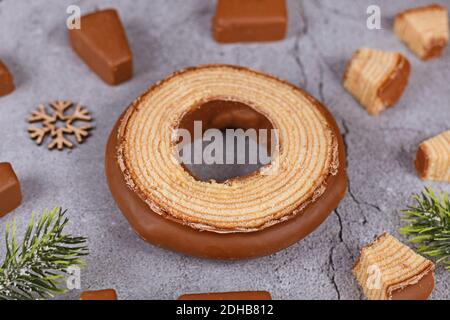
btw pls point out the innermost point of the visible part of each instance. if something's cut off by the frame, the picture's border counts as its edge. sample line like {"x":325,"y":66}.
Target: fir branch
{"x":429,"y":225}
{"x":36,"y":268}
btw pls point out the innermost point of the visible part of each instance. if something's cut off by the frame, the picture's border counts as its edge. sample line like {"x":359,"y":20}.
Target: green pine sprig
{"x":36,"y":267}
{"x":429,"y":225}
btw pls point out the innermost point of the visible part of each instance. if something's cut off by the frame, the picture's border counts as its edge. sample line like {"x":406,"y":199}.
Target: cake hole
{"x":223,"y":140}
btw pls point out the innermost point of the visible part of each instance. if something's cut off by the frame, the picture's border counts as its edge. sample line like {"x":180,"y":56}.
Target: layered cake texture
{"x":247,"y":216}
{"x":389,"y":270}
{"x":433,"y":158}
{"x":377,"y":79}
{"x":424,"y":30}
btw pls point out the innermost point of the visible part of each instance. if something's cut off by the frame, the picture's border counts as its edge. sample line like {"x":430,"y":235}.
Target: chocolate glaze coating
{"x":422,"y":162}
{"x":418,"y":291}
{"x":436,"y":49}
{"x":170,"y":234}
{"x":394,"y":86}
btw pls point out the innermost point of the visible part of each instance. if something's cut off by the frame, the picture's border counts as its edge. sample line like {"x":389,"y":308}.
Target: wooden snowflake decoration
{"x":59,"y":124}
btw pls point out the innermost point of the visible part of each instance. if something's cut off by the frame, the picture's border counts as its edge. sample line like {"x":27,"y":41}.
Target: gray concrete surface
{"x":168,"y":35}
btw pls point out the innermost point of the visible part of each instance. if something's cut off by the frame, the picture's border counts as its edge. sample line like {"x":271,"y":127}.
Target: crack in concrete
{"x":322,"y":58}
{"x":304,"y":19}
{"x":321,"y":85}
{"x":315,"y":45}
{"x":362,"y":202}
{"x":340,"y":225}
{"x":332,"y":273}
{"x":341,"y":232}
{"x":296,"y":50}
{"x":358,"y":203}
{"x":355,"y":199}
{"x":299,"y":62}
{"x":345,"y":133}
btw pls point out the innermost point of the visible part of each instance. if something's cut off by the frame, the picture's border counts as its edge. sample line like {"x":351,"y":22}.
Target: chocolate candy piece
{"x":106,"y":294}
{"x":249,"y":20}
{"x":102,"y":43}
{"x":10,"y":194}
{"x":244,"y":295}
{"x":6,"y":80}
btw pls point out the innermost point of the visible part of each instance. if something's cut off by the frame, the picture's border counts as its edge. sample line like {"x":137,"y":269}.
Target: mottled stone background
{"x":172,"y":34}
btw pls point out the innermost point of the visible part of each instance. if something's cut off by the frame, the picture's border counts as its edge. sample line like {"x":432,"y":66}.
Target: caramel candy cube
{"x":6,"y":80}
{"x":106,"y":294}
{"x":377,"y":79}
{"x":242,"y":295}
{"x":388,"y":270}
{"x":433,"y":158}
{"x":424,"y":30}
{"x":10,"y":194}
{"x":102,"y":44}
{"x":249,"y":20}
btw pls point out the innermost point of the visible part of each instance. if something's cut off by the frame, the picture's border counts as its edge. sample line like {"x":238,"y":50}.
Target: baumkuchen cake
{"x":243,"y":217}
{"x":433,"y":158}
{"x":388,"y":270}
{"x":424,"y":30}
{"x":376,"y":78}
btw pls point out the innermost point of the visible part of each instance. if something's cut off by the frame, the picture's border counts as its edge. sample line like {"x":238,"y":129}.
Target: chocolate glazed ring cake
{"x":244,"y":217}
